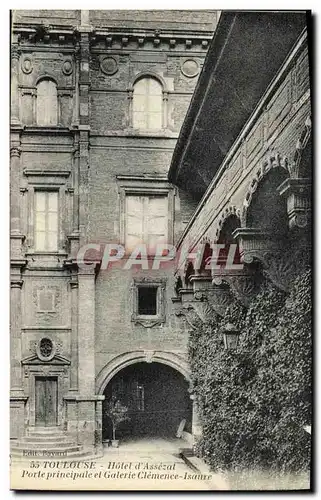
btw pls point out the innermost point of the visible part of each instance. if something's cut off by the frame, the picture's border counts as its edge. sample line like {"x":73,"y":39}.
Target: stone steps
{"x":61,"y":438}
{"x":42,"y":431}
{"x":59,"y":447}
{"x":48,"y":443}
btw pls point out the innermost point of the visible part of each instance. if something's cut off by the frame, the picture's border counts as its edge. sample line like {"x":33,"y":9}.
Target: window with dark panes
{"x":147,"y":300}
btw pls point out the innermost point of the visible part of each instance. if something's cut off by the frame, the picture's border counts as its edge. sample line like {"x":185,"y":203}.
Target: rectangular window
{"x":147,"y":300}
{"x":46,"y":221}
{"x":146,"y":221}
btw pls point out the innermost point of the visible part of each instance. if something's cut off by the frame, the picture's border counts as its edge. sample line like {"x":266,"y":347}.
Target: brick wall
{"x":84,"y":167}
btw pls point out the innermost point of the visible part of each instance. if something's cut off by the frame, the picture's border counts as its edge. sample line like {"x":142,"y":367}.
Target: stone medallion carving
{"x":67,"y":67}
{"x":109,"y":65}
{"x":45,"y":349}
{"x":190,"y":68}
{"x":26,"y":65}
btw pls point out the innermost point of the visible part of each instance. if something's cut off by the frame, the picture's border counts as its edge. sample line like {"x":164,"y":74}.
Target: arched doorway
{"x":157,"y":399}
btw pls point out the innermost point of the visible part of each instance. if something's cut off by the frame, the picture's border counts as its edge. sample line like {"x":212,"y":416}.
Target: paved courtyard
{"x":155,"y":464}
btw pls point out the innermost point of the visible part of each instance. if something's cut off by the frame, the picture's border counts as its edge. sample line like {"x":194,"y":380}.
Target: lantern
{"x":230,"y":336}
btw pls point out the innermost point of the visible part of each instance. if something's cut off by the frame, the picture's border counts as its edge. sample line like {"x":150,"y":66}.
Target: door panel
{"x":46,"y":401}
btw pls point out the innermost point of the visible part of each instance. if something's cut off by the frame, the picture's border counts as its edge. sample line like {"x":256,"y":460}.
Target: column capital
{"x":298,"y":195}
{"x":16,"y":283}
{"x":15,"y":51}
{"x":15,"y":152}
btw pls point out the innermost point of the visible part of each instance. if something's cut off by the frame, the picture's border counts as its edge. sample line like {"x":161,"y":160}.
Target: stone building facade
{"x":97,"y":102}
{"x":141,"y":127}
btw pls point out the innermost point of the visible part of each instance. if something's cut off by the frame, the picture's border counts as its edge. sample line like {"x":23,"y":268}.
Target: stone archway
{"x":129,"y":358}
{"x":154,"y":385}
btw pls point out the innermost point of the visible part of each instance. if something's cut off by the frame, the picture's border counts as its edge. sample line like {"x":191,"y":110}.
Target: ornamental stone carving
{"x":190,"y":68}
{"x":109,"y":65}
{"x":27,"y":65}
{"x":46,"y":349}
{"x":298,"y":194}
{"x":67,"y":67}
{"x":190,"y":315}
{"x":243,"y":284}
{"x":219,"y":297}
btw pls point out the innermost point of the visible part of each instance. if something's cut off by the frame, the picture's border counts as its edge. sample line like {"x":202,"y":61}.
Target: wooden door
{"x":46,"y":401}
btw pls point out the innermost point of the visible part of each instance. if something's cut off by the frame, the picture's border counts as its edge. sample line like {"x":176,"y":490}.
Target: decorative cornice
{"x":50,"y":173}
{"x":158,"y":39}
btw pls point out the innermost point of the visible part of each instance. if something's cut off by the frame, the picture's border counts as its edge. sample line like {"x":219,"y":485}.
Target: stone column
{"x":15,"y":333}
{"x":15,"y":153}
{"x":74,"y":336}
{"x":15,"y":56}
{"x":17,"y":398}
{"x":86,"y":331}
{"x":86,"y":357}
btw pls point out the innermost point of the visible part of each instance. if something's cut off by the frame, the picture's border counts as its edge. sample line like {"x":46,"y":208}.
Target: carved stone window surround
{"x":149,"y":320}
{"x":47,"y":183}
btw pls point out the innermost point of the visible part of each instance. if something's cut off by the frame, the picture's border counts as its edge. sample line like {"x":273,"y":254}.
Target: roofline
{"x":224,"y":26}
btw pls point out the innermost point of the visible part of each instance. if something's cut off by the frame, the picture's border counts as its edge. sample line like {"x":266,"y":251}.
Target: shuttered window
{"x":47,"y":107}
{"x":46,"y":221}
{"x":147,"y":104}
{"x":146,"y":221}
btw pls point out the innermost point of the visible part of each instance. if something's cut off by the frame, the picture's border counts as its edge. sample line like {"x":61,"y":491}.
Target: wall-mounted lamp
{"x":230,"y":336}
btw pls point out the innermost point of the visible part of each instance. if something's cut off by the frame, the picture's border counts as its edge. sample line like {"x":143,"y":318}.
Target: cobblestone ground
{"x":155,"y":465}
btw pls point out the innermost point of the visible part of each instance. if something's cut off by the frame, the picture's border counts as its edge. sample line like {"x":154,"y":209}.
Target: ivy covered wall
{"x":254,"y":401}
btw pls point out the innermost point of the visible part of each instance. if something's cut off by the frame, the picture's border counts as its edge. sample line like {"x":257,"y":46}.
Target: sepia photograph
{"x":161,"y":250}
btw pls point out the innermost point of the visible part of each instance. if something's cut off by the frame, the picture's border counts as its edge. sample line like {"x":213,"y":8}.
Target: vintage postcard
{"x":160,"y":181}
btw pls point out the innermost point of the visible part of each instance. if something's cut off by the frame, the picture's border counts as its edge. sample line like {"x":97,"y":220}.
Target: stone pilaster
{"x":84,"y":131}
{"x":86,"y":331}
{"x":15,"y":332}
{"x":74,"y":336}
{"x":86,"y":357}
{"x":15,"y":57}
{"x":17,"y":397}
{"x":16,"y":237}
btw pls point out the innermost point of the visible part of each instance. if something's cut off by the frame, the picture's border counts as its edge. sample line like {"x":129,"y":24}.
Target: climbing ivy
{"x":254,"y":401}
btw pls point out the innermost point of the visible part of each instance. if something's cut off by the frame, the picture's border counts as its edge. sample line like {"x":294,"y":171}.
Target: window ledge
{"x":163,"y":133}
{"x":37,"y":253}
{"x":148,"y":321}
{"x":46,"y":129}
